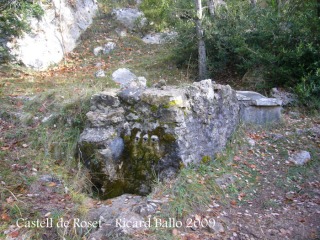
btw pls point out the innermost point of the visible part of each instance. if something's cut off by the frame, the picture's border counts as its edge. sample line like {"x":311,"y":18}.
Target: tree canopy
{"x":278,"y":38}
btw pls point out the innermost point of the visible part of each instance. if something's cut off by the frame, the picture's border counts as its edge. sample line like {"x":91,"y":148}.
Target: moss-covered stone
{"x":155,"y":133}
{"x":139,"y":163}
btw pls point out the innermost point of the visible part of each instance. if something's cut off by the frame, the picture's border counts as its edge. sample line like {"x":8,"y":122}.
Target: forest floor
{"x":42,"y":115}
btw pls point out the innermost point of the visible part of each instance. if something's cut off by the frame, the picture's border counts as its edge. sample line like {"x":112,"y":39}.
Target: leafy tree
{"x":180,"y":13}
{"x":279,"y":37}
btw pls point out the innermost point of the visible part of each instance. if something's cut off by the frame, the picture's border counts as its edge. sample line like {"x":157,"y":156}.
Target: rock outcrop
{"x":55,"y":34}
{"x":136,"y":135}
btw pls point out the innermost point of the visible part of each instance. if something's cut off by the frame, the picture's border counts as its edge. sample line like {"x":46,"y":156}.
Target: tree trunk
{"x":211,"y":7}
{"x":214,"y":4}
{"x":202,"y":57}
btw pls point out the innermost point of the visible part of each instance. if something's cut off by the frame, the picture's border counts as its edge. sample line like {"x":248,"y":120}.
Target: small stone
{"x":315,"y":131}
{"x":225,"y":180}
{"x":123,"y":76}
{"x":100,"y":73}
{"x":160,"y":84}
{"x":276,"y":136}
{"x":216,"y":227}
{"x":97,"y":50}
{"x":46,"y":178}
{"x":110,"y":46}
{"x":47,"y":119}
{"x":189,"y":181}
{"x":251,"y":142}
{"x":300,"y":158}
{"x":98,"y":65}
{"x":121,"y":32}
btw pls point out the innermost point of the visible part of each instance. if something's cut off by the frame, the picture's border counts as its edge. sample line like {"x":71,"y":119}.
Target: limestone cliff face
{"x":136,"y":135}
{"x":55,"y":34}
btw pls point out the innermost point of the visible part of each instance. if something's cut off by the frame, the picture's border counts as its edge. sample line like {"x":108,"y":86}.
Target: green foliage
{"x":167,"y":13}
{"x":14,"y":20}
{"x":282,"y":40}
{"x":158,"y":12}
{"x":14,"y":14}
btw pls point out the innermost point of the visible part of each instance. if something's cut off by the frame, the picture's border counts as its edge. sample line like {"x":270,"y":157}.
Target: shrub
{"x":14,"y":20}
{"x":281,"y":40}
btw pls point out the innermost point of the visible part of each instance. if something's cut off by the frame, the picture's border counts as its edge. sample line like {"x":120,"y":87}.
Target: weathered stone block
{"x":133,"y":139}
{"x":258,"y":109}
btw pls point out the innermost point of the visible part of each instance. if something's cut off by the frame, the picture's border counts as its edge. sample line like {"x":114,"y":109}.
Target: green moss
{"x":154,"y":108}
{"x":139,"y":166}
{"x":173,"y":103}
{"x":206,"y":159}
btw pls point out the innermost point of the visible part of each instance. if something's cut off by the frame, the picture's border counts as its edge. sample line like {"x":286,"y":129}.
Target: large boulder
{"x":55,"y":34}
{"x":137,"y":135}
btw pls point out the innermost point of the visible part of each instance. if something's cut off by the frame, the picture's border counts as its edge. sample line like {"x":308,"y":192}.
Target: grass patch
{"x":195,"y":188}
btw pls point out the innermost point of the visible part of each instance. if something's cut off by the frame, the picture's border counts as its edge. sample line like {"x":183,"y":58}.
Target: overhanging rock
{"x":258,"y":109}
{"x":137,"y":135}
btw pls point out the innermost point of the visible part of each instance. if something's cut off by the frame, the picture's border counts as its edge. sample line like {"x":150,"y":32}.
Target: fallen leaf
{"x":252,"y":166}
{"x":52,"y":184}
{"x":5,"y":217}
{"x":233,"y":202}
{"x":14,"y":234}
